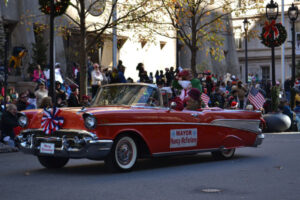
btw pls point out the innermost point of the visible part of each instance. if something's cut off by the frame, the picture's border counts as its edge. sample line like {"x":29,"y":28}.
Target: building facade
{"x":156,"y":55}
{"x":259,"y":56}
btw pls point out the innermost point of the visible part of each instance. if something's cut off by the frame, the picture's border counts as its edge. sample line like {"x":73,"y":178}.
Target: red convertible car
{"x":129,"y":121}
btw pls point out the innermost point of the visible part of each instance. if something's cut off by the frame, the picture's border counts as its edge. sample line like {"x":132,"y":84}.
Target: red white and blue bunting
{"x":51,"y":121}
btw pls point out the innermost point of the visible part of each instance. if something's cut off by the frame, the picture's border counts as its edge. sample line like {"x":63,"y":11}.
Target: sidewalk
{"x":6,"y":149}
{"x":284,"y":133}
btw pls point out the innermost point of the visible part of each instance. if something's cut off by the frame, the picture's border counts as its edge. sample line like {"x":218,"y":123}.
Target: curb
{"x":6,"y":149}
{"x":282,"y":133}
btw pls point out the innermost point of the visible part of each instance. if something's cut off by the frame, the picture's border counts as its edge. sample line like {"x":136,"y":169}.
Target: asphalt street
{"x":270,"y":171}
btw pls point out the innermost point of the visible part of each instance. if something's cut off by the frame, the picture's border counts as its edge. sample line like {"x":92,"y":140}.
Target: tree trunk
{"x":82,"y":52}
{"x":194,"y":47}
{"x":193,"y":60}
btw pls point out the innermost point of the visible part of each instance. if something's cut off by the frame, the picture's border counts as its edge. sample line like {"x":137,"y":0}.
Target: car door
{"x":179,"y":131}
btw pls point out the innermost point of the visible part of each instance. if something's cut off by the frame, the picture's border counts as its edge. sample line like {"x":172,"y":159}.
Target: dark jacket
{"x":8,"y":123}
{"x":21,"y":105}
{"x":73,"y":101}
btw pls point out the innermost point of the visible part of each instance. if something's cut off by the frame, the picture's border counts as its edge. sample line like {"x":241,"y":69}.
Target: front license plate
{"x":47,"y":148}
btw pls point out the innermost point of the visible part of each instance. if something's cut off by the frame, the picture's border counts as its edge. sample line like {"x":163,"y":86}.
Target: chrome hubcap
{"x":227,"y":152}
{"x":124,"y":152}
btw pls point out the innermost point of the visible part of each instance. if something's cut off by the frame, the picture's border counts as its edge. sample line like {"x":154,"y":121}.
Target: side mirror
{"x":173,"y":105}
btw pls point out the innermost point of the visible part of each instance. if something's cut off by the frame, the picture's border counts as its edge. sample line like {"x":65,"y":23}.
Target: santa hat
{"x":85,"y":97}
{"x":184,"y":74}
{"x":234,"y":104}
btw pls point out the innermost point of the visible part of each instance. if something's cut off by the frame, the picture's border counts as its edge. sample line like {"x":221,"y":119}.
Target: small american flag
{"x":256,"y":98}
{"x":205,"y":99}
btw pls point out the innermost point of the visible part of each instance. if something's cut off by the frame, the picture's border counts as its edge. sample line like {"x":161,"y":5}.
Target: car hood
{"x":73,"y":117}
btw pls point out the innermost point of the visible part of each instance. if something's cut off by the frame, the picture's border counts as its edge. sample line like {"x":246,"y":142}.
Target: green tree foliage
{"x":201,"y":24}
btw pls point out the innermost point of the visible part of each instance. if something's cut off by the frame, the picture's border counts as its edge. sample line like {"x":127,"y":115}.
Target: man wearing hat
{"x":86,"y":101}
{"x":194,"y":101}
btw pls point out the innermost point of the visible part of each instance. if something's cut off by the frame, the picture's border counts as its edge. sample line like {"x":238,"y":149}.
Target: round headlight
{"x":90,"y":121}
{"x":22,"y":121}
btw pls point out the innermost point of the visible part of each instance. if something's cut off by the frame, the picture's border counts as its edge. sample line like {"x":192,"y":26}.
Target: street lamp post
{"x":6,"y":47}
{"x":246,"y":25}
{"x":177,"y":7}
{"x":51,"y":61}
{"x":272,"y":13}
{"x":293,"y":15}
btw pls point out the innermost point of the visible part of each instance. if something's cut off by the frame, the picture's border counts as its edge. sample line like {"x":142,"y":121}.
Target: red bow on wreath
{"x":270,"y":26}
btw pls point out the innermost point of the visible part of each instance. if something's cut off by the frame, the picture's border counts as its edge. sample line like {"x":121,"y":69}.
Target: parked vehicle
{"x":129,"y":121}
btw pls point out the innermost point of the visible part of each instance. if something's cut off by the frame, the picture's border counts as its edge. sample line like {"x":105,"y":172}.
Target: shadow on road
{"x":175,"y":162}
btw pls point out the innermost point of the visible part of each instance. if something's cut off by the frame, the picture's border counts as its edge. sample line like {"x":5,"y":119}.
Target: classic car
{"x":126,"y":122}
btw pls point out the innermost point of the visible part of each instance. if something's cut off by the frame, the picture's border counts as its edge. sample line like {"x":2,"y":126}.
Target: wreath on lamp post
{"x":279,"y":32}
{"x":60,"y":6}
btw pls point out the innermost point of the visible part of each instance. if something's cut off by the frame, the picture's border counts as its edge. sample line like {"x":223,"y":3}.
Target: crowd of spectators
{"x":187,"y":89}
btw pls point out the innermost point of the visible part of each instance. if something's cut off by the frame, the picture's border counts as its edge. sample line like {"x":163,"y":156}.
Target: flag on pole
{"x":256,"y":98}
{"x":205,"y":99}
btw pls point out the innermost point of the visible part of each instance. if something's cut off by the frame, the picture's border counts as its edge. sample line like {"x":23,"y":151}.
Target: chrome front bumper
{"x":68,"y":143}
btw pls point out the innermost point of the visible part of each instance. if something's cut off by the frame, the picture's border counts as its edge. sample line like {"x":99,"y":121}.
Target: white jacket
{"x":96,"y":78}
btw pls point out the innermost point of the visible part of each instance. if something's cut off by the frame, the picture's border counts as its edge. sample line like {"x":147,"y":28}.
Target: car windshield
{"x":127,"y":94}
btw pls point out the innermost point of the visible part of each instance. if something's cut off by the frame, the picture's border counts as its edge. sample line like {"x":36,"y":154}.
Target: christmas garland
{"x":60,"y":6}
{"x":279,"y":32}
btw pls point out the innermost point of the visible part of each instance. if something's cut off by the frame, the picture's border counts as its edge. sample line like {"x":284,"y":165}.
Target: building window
{"x":241,"y":69}
{"x":265,"y":72}
{"x":237,"y":38}
{"x":238,"y":43}
{"x":239,"y":3}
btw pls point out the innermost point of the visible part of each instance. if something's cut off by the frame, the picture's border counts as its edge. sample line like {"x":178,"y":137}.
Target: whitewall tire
{"x":124,"y":154}
{"x":223,"y":154}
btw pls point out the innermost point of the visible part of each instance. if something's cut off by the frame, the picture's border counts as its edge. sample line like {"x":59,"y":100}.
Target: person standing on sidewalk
{"x":97,"y":78}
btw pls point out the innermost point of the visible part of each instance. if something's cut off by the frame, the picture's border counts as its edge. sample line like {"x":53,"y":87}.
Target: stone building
{"x":131,"y":52}
{"x":259,"y":56}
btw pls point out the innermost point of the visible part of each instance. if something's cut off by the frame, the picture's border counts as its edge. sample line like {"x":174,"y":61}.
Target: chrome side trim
{"x":247,"y":125}
{"x":152,"y":123}
{"x":162,"y":154}
{"x":243,"y":124}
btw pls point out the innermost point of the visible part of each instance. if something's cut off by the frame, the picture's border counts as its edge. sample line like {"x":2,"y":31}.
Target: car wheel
{"x":123,"y":155}
{"x":52,"y":162}
{"x":223,"y":154}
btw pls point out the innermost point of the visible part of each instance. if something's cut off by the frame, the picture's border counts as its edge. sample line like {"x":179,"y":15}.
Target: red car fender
{"x":134,"y":132}
{"x":231,"y":141}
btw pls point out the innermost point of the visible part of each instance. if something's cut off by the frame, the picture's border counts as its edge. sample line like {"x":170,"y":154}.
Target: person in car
{"x":194,"y":101}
